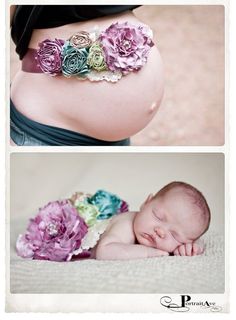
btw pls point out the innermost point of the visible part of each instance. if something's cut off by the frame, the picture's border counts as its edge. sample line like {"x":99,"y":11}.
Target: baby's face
{"x":167,"y":222}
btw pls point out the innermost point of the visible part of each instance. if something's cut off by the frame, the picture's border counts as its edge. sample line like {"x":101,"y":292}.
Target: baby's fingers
{"x":197,"y":249}
{"x":176,"y":252}
{"x":182,"y":250}
{"x":189,"y":249}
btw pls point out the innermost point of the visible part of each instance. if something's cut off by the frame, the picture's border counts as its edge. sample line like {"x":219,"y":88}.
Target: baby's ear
{"x":149,"y":198}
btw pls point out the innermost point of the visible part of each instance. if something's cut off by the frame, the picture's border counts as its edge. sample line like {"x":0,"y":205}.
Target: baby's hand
{"x":189,"y":249}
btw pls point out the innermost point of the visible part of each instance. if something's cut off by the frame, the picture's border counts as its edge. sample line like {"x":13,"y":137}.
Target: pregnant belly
{"x":106,"y":111}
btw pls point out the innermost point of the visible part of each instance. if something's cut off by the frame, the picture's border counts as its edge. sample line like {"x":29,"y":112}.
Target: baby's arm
{"x":190,"y":249}
{"x":124,"y":251}
{"x":118,"y":243}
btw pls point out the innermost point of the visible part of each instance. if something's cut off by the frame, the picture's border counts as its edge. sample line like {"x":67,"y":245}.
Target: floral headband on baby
{"x":107,"y":55}
{"x":67,"y":229}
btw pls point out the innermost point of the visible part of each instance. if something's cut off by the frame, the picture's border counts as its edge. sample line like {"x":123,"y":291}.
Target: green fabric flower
{"x":74,"y":61}
{"x":88,"y":212}
{"x":96,"y":59}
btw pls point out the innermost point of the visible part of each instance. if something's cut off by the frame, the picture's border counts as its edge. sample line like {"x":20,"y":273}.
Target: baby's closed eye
{"x":157,"y":214}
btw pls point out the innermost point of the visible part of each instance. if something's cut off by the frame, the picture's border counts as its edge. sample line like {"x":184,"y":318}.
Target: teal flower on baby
{"x":74,"y":61}
{"x":107,"y":203}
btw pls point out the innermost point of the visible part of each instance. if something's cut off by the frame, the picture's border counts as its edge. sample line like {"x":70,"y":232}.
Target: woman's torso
{"x":104,"y":110}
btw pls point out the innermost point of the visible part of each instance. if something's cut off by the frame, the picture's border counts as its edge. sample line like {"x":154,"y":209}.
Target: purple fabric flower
{"x":126,"y":46}
{"x":54,"y":234}
{"x":49,"y":56}
{"x":124,"y":207}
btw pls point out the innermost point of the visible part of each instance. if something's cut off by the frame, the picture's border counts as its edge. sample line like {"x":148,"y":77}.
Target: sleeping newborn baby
{"x":169,"y":222}
{"x":100,"y":226}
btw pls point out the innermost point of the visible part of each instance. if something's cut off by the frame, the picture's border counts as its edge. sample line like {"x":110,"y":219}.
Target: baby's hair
{"x":195,"y":194}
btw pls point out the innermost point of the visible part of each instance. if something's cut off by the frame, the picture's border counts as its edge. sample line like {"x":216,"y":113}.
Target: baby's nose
{"x":160,"y":232}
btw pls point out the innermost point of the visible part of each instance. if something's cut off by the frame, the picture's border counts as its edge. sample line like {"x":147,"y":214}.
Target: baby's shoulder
{"x":120,"y":229}
{"x":123,"y":221}
{"x":126,"y":217}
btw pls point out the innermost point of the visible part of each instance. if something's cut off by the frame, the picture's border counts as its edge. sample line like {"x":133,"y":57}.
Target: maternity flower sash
{"x":100,"y":55}
{"x":69,"y":228}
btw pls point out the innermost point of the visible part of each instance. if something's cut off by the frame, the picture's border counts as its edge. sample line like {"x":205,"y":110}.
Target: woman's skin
{"x":106,"y":111}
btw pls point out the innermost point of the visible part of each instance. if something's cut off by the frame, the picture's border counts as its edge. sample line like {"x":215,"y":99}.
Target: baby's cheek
{"x":138,"y":238}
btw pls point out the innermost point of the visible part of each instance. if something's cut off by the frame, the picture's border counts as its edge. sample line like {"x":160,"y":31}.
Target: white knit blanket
{"x":199,"y":274}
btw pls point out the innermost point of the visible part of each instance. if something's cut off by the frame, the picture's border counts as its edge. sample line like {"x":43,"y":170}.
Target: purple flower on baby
{"x":126,"y":46}
{"x":124,"y":207}
{"x":54,"y":234}
{"x":49,"y":56}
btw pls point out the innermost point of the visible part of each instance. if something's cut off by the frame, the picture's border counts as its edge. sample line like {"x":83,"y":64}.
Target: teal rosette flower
{"x":74,"y":61}
{"x":96,"y":58}
{"x":107,"y":203}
